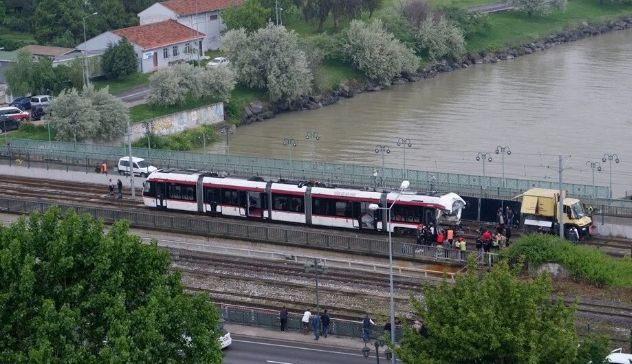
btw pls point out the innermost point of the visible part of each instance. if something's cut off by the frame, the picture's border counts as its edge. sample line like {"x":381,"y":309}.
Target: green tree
{"x":119,"y":60}
{"x":113,"y":114}
{"x":251,"y":15}
{"x":58,"y":22}
{"x":20,"y":75}
{"x":493,"y":318}
{"x":72,"y":293}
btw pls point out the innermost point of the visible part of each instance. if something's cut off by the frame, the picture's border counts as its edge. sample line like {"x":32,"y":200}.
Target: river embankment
{"x":261,"y":110}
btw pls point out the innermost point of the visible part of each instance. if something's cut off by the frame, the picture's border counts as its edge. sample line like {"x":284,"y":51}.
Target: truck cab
{"x":539,"y":211}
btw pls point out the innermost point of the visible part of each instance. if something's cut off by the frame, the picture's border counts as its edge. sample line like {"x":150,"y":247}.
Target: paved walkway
{"x":294,"y":336}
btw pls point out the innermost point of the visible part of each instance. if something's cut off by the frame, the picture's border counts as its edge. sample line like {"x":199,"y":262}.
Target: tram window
{"x":288,"y":203}
{"x":212,"y":195}
{"x":407,"y":213}
{"x":174,"y":192}
{"x":188,"y":193}
{"x":160,"y":190}
{"x":230,"y":197}
{"x":149,"y":189}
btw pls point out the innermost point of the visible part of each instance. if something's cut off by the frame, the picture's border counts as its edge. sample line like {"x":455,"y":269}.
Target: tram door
{"x":364,"y":218}
{"x":255,"y":204}
{"x":161,"y":194}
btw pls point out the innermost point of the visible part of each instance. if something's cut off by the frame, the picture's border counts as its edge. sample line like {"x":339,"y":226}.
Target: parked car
{"x":617,"y":356}
{"x":8,"y":124}
{"x":224,"y":339}
{"x":42,"y":101}
{"x":22,"y":103}
{"x":140,"y":166}
{"x":218,"y":62}
{"x":14,"y":113}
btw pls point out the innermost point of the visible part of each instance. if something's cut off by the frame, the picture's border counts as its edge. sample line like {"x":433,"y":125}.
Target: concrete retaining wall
{"x":179,"y":122}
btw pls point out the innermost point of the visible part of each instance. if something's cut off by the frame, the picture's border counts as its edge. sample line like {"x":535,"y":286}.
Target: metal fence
{"x":347,"y":174}
{"x":266,"y":233}
{"x":249,"y":316}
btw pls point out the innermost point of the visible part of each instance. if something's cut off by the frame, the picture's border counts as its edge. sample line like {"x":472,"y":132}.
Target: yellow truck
{"x":539,"y":211}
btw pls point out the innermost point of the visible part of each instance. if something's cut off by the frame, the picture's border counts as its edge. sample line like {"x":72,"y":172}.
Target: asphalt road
{"x":249,"y":350}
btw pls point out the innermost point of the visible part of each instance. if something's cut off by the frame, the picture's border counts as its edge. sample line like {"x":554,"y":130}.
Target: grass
{"x":330,"y":74}
{"x":513,"y":28}
{"x":143,"y":112}
{"x":16,"y":36}
{"x":30,"y":131}
{"x":240,"y":97}
{"x":119,"y":86}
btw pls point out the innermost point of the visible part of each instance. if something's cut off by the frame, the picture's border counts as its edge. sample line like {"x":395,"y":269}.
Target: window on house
{"x":213,"y":17}
{"x":165,"y":53}
{"x":175,"y":51}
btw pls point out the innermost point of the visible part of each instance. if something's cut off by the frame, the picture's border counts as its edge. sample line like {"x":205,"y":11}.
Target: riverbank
{"x":258,"y":110}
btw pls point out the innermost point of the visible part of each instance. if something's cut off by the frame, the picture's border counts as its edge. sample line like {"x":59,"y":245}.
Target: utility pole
{"x":86,"y":71}
{"x":404,"y":143}
{"x":560,"y":209}
{"x":290,"y":143}
{"x":610,"y":157}
{"x":131,"y":162}
{"x":226,"y":131}
{"x":383,"y":149}
{"x":313,"y":137}
{"x":503,"y":150}
{"x":276,"y":9}
{"x":594,"y":166}
{"x":317,"y":267}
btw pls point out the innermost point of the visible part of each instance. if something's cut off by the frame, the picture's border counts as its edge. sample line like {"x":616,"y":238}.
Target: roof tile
{"x":160,"y":34}
{"x":190,"y":7}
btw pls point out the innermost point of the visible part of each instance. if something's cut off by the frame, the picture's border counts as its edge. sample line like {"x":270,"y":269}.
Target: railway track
{"x":96,"y":195}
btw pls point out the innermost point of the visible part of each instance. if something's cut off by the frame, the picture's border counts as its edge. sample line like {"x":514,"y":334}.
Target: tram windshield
{"x":577,"y":210}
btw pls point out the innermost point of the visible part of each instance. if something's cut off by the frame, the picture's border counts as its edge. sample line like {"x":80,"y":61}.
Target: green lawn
{"x":511,"y":29}
{"x":146,"y":111}
{"x":16,"y":36}
{"x":330,"y":74}
{"x":118,"y":86}
{"x":30,"y":131}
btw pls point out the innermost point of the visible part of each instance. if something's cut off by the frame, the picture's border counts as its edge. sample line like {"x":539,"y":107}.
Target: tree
{"x":73,"y":116}
{"x":58,"y":22}
{"x":217,"y":82}
{"x":20,"y":75}
{"x":113,"y":114}
{"x":533,"y":7}
{"x":437,"y":38}
{"x":493,"y":318}
{"x":72,"y":293}
{"x":376,"y":53}
{"x":119,"y":60}
{"x":167,"y":87}
{"x":271,"y":59}
{"x":251,"y":15}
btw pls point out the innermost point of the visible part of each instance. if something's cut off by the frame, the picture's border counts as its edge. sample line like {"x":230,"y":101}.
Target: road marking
{"x":277,"y":362}
{"x":295,"y":347}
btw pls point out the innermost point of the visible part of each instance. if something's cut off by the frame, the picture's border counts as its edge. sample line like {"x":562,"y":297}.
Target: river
{"x":573,"y":99}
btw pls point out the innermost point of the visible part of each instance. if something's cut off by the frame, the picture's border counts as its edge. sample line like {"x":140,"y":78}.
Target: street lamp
{"x":503,"y":150}
{"x":383,"y":149}
{"x":290,"y":143}
{"x":203,"y":141}
{"x":594,"y":166}
{"x":85,"y":60}
{"x":226,"y":131}
{"x":405,"y":184}
{"x":610,"y":157}
{"x":379,"y":342}
{"x":317,"y":267}
{"x":485,"y":157}
{"x":312,"y":136}
{"x":404,"y":143}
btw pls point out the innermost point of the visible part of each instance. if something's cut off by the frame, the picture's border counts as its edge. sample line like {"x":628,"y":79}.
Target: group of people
{"x":119,"y":189}
{"x":430,"y":235}
{"x":318,"y":323}
{"x":488,"y":241}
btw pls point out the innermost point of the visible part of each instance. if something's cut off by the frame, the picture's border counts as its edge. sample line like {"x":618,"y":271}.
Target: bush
{"x":469,"y":23}
{"x":438,"y":38}
{"x":119,"y":60}
{"x":533,"y":7}
{"x":186,"y":140}
{"x":377,"y":53}
{"x":582,"y":262}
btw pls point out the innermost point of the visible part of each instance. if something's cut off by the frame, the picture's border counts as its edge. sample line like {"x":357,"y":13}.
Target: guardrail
{"x":242,"y":230}
{"x":249,"y":316}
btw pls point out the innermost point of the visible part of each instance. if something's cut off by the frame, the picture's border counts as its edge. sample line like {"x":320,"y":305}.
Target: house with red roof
{"x":202,"y":15}
{"x":157,"y":45}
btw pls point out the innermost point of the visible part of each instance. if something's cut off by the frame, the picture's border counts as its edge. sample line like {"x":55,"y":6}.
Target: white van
{"x":617,"y":356}
{"x":141,"y":166}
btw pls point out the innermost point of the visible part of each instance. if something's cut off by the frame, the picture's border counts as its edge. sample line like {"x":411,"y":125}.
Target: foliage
{"x":195,"y":138}
{"x":28,"y":76}
{"x":593,"y":349}
{"x":119,"y":60}
{"x":469,"y":23}
{"x":416,"y":11}
{"x":493,"y":318}
{"x":251,"y":15}
{"x":72,"y":293}
{"x":91,"y":114}
{"x":58,"y":22}
{"x":397,"y":24}
{"x":320,"y":10}
{"x":582,"y":262}
{"x":20,"y":75}
{"x":271,"y":59}
{"x":174,"y":85}
{"x":533,"y":7}
{"x":437,"y":39}
{"x":324,"y":46}
{"x":376,"y":53}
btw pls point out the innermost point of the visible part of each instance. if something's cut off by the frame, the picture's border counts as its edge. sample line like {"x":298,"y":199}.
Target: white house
{"x":157,"y":44}
{"x":202,"y":15}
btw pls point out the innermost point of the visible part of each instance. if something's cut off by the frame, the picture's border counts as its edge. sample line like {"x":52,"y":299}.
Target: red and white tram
{"x":301,"y":203}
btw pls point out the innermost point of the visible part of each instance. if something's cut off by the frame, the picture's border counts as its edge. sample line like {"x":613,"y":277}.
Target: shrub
{"x":582,"y":262}
{"x":533,"y":7}
{"x":377,"y":53}
{"x":119,"y":60}
{"x":469,"y":23}
{"x":438,"y":39}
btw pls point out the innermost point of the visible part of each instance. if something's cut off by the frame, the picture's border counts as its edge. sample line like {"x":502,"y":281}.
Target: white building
{"x":157,"y":44}
{"x":201,"y":15}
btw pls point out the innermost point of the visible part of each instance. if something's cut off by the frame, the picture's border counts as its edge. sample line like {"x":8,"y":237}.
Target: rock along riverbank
{"x":260,"y":110}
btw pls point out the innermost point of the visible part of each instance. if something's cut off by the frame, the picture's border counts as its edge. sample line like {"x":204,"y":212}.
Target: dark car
{"x":23,"y":103}
{"x":8,"y":124}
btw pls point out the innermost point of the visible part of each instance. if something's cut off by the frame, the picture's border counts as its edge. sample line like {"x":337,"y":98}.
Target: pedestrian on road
{"x":283,"y":316}
{"x":119,"y":187}
{"x":316,"y":325}
{"x":305,"y":321}
{"x":325,"y":321}
{"x":367,"y":323}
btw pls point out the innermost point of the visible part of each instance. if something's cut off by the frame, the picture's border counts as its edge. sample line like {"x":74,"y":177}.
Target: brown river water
{"x":574,"y":100}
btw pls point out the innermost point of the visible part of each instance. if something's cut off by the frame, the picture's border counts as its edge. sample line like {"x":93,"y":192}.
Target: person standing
{"x":111,"y":187}
{"x":283,"y":314}
{"x":119,"y":187}
{"x":500,"y":218}
{"x":305,"y":321}
{"x":367,"y":323}
{"x":316,"y":325}
{"x":325,"y":320}
{"x":462,"y":246}
{"x":509,"y":216}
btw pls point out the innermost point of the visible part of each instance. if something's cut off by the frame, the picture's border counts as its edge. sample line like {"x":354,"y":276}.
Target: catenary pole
{"x":560,"y":209}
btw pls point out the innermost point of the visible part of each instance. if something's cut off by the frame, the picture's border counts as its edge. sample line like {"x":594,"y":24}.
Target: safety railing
{"x":271,"y":233}
{"x":347,"y":174}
